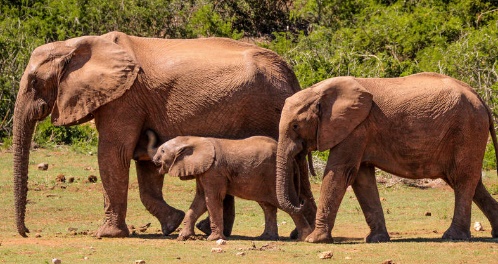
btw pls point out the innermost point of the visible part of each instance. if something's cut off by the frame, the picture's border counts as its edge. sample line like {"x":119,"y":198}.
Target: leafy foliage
{"x":319,"y":38}
{"x":82,"y":138}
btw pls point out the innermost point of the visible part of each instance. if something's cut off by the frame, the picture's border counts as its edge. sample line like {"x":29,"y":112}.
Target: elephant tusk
{"x":310,"y":164}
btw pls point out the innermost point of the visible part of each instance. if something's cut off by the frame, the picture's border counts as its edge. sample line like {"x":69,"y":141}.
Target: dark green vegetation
{"x":319,"y":38}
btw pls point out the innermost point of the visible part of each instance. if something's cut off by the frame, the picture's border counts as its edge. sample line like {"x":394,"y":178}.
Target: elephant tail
{"x":492,"y":131}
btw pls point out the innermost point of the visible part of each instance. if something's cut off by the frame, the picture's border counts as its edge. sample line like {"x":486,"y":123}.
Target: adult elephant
{"x":207,"y":87}
{"x":421,"y":126}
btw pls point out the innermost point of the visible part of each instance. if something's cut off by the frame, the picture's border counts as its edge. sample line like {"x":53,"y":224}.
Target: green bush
{"x":489,"y":162}
{"x":82,"y":138}
{"x":319,"y":38}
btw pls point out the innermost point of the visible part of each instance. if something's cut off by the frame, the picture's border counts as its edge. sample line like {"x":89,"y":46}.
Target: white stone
{"x":220,"y":242}
{"x":478,"y":226}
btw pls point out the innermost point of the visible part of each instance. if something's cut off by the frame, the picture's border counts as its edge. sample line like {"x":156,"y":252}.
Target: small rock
{"x":72,"y":229}
{"x":326,"y":255}
{"x":382,"y":199}
{"x":92,"y":178}
{"x":56,"y":261}
{"x":478,"y":226}
{"x":240,"y":254}
{"x":216,"y":250}
{"x":70,"y":180}
{"x":139,"y":261}
{"x":60,"y":178}
{"x":348,"y":258}
{"x":388,"y":261}
{"x":85,"y":258}
{"x":428,"y":213}
{"x":38,"y":235}
{"x":43,"y":166}
{"x":220,"y":242}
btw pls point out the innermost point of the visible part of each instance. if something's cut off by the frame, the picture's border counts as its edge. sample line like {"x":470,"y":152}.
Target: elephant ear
{"x":194,"y":157}
{"x":96,"y":72}
{"x":343,"y":105}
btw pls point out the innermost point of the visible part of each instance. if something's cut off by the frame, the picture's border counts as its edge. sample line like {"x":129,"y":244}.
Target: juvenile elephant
{"x":207,"y":87}
{"x":425,"y":125}
{"x":243,"y":168}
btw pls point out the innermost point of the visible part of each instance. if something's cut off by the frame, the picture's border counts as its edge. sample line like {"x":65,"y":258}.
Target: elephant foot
{"x":172,"y":222}
{"x":454,"y":234}
{"x":378,"y":237}
{"x":294,"y":234}
{"x":205,"y":226}
{"x":216,"y":236}
{"x":185,"y":234}
{"x":305,"y":233}
{"x":268,"y":236}
{"x":183,"y":237}
{"x":108,"y":230}
{"x":318,"y":236}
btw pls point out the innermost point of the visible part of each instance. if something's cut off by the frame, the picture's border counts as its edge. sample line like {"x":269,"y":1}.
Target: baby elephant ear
{"x":344,"y":104}
{"x":194,"y":157}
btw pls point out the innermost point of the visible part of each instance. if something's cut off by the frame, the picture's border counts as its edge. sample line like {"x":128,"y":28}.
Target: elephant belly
{"x":253,"y":192}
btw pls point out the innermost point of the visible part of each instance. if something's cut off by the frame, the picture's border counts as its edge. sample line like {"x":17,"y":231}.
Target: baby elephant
{"x":244,"y":168}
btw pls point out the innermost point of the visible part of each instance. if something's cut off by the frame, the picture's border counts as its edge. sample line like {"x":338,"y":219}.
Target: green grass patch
{"x":62,"y":218}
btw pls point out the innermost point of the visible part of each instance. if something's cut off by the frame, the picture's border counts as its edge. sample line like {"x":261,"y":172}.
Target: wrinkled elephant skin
{"x":425,"y":125}
{"x":244,"y":168}
{"x":205,"y":87}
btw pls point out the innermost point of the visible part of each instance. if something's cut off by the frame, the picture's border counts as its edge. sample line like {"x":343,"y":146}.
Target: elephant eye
{"x":295,"y":126}
{"x":162,"y":150}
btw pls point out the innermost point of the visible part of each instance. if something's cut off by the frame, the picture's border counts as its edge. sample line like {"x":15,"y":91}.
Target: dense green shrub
{"x":319,"y":38}
{"x":83,"y":138}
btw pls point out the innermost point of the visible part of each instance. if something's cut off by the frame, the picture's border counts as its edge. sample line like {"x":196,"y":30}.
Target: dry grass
{"x":63,"y":216}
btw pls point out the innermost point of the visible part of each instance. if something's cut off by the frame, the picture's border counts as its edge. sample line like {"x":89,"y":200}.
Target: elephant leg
{"x":365,"y":189}
{"x":303,"y":228}
{"x":333,"y":188}
{"x":215,"y":190}
{"x":488,"y":205}
{"x":271,"y":228}
{"x":114,"y":176}
{"x":197,"y":208}
{"x":150,"y":183}
{"x":464,"y":189}
{"x":228,"y":218}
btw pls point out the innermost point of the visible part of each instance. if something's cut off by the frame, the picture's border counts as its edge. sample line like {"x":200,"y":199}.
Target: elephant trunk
{"x":286,"y":192}
{"x":23,"y":133}
{"x":151,"y":146}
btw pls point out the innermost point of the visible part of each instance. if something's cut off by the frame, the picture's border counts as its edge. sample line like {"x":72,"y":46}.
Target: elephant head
{"x":317,"y":118}
{"x":69,"y":80}
{"x":183,"y":157}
